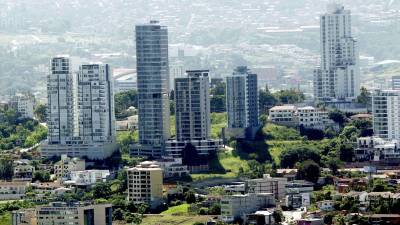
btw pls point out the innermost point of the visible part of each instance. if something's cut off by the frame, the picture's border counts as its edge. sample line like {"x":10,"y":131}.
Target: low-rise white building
{"x":267,"y":184}
{"x":327,"y":205}
{"x":172,"y":167}
{"x":13,"y":190}
{"x":308,"y":116}
{"x":23,"y":171}
{"x":377,"y":149}
{"x":298,"y":193}
{"x":234,"y":207}
{"x":283,"y":113}
{"x":265,"y":217}
{"x":311,"y":117}
{"x":87,"y":177}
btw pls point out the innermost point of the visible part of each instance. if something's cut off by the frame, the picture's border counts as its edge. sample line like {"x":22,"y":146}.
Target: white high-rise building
{"x":60,"y":108}
{"x":192,"y":108}
{"x":153,"y":88}
{"x":338,"y":77}
{"x":386,"y":114}
{"x":81,"y":111}
{"x":95,"y":103}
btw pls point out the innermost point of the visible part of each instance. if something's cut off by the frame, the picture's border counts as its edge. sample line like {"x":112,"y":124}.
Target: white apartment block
{"x":74,"y":213}
{"x":298,"y":193}
{"x":95,"y":103}
{"x":64,"y":167}
{"x":60,"y":108}
{"x":172,"y":167}
{"x":234,"y":207}
{"x":81,"y":111}
{"x":267,"y":184}
{"x":24,"y":105}
{"x":153,"y":88}
{"x":312,"y":117}
{"x":338,"y":77}
{"x":308,"y":116}
{"x":283,"y":113}
{"x":12,"y":190}
{"x":192,"y":113}
{"x":377,"y":149}
{"x":145,"y":184}
{"x":23,"y":171}
{"x":87,"y":177}
{"x":386,"y":114}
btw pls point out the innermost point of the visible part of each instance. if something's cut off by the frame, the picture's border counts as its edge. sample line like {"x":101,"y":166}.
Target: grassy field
{"x":173,"y":220}
{"x":218,"y":121}
{"x":5,"y":219}
{"x":181,"y":210}
{"x":225,"y":166}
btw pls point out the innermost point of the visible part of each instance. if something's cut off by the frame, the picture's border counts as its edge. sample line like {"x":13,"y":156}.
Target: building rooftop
{"x":284,"y":107}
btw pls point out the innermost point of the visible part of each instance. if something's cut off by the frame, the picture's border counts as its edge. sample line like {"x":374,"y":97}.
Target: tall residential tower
{"x":60,"y":108}
{"x":153,"y":88}
{"x":192,"y":114}
{"x":337,"y":77}
{"x":242,"y":99}
{"x":81,"y":111}
{"x":95,"y":103}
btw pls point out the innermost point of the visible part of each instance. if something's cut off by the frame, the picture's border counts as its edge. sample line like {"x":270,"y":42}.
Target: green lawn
{"x":225,"y":166}
{"x":172,"y":126}
{"x":5,"y":218}
{"x":177,"y":210}
{"x":173,"y":220}
{"x":218,"y":121}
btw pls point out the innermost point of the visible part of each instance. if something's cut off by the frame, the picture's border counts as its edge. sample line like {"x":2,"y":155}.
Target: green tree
{"x":346,"y":152}
{"x":218,"y":98}
{"x":364,"y":97}
{"x":278,"y":216}
{"x":334,"y":164}
{"x":338,"y":116}
{"x":218,"y":103}
{"x":291,"y":96}
{"x":296,"y":154}
{"x":123,"y":101}
{"x":41,"y":176}
{"x":41,"y":112}
{"x":6,"y":169}
{"x":309,"y":170}
{"x":267,"y":100}
{"x":190,"y":197}
{"x":215,"y":209}
{"x":101,"y":190}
